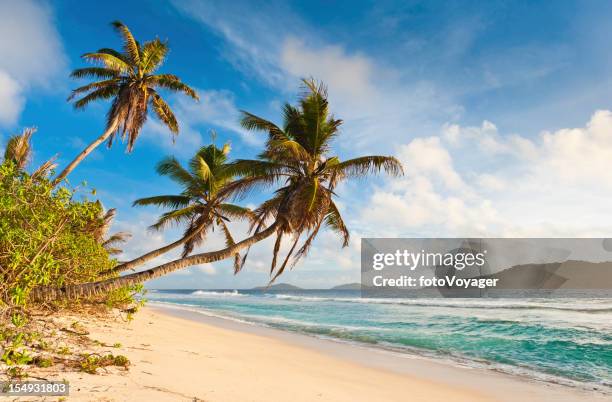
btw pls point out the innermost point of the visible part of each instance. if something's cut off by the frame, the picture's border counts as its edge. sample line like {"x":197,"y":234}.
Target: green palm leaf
{"x":112,"y":83}
{"x":105,"y":92}
{"x":153,"y":53}
{"x":164,"y":113}
{"x":369,"y":164}
{"x":200,"y":168}
{"x":130,"y":44}
{"x":334,"y":221}
{"x":176,"y":217}
{"x":110,"y":61}
{"x":95,"y":72}
{"x":172,"y":168}
{"x":167,"y":201}
{"x":173,"y":83}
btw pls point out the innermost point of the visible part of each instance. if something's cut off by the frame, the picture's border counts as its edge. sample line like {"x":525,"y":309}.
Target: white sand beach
{"x":182,"y":355}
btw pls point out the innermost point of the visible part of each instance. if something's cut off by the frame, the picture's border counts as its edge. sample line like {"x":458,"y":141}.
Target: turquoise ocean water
{"x":567,"y":341}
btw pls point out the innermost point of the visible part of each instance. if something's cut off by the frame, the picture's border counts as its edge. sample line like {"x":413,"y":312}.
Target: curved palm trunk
{"x":136,"y":262}
{"x":86,"y":152}
{"x":97,"y":288}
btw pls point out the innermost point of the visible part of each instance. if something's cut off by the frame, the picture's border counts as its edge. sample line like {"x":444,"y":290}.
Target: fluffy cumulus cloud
{"x":350,"y":74}
{"x":33,"y":65}
{"x":11,"y":99}
{"x":475,"y":181}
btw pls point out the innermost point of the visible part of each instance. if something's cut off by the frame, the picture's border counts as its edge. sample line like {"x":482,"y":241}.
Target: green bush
{"x":48,"y":238}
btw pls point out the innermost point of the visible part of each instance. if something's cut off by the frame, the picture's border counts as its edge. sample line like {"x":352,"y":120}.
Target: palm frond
{"x":314,"y":111}
{"x":175,"y":217}
{"x":116,"y":238}
{"x":153,"y":54}
{"x":18,"y":149}
{"x":95,"y":72}
{"x":196,"y":231}
{"x":44,"y":170}
{"x":117,"y":54}
{"x":106,"y":92}
{"x":164,"y":113}
{"x":294,"y":149}
{"x":105,"y":224}
{"x":233,"y":211}
{"x":252,"y":122}
{"x":201,"y":169}
{"x":254,"y":167}
{"x":166,"y":201}
{"x":112,"y":83}
{"x":229,"y":241}
{"x":281,"y":269}
{"x":130,"y":44}
{"x":312,"y":193}
{"x":172,"y":168}
{"x":275,"y":251}
{"x":369,"y":164}
{"x":240,"y":188}
{"x":108,"y":60}
{"x":174,"y":83}
{"x":303,"y":251}
{"x":334,"y":221}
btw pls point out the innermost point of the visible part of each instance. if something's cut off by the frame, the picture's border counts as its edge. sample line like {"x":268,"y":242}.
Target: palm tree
{"x":19,"y":151}
{"x":198,"y":205}
{"x":297,"y":156}
{"x":128,"y":78}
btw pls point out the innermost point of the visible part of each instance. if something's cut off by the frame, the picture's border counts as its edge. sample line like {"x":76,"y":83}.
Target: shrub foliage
{"x":47,"y":237}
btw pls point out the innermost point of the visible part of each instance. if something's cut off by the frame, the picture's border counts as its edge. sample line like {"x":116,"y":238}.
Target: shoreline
{"x":329,"y":345}
{"x":183,"y":355}
{"x":500,"y":385}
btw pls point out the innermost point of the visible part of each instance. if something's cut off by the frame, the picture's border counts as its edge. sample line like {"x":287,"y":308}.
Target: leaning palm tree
{"x":297,"y":157}
{"x":128,"y":78}
{"x":198,"y":206}
{"x":19,"y":151}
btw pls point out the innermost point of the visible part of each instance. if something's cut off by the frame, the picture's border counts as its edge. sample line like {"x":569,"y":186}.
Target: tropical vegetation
{"x":199,"y":206}
{"x":54,"y":243}
{"x":297,"y":159}
{"x":55,"y":246}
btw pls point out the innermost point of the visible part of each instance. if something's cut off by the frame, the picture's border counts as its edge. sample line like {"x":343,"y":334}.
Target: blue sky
{"x":497,"y":109}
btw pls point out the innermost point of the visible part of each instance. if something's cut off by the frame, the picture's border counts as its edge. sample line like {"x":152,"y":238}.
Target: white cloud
{"x":350,"y":75}
{"x":554,"y":185}
{"x":11,"y":99}
{"x":427,"y":156}
{"x":32,"y":61}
